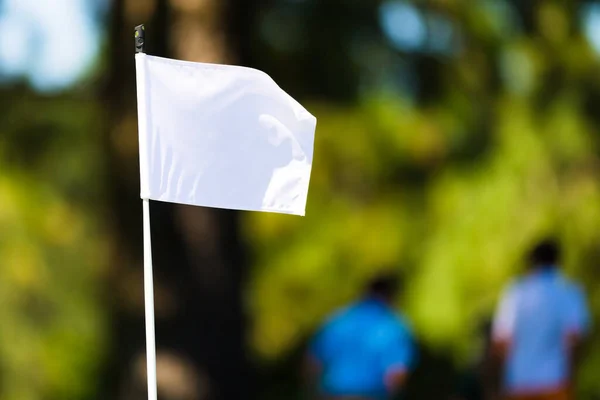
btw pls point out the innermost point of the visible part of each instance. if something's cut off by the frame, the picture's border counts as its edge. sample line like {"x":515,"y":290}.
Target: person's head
{"x":545,"y":255}
{"x":384,"y":286}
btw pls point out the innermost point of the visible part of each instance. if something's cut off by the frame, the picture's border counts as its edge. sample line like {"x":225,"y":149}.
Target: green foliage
{"x":51,"y":248}
{"x":450,"y":183}
{"x":452,"y":190}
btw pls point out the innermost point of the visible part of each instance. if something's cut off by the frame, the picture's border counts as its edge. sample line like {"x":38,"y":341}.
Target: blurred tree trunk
{"x":199,"y":261}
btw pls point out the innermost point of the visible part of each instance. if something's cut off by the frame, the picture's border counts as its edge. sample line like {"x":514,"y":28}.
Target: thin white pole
{"x":149,"y":300}
{"x":140,"y":39}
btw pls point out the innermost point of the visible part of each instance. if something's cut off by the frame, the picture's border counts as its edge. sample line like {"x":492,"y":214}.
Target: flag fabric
{"x":221,"y":136}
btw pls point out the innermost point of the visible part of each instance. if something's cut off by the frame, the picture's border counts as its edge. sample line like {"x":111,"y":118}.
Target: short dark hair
{"x":386,"y":284}
{"x":545,"y":253}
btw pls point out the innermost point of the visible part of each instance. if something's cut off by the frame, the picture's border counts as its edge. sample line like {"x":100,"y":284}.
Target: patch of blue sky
{"x":591,"y":24}
{"x":52,"y":44}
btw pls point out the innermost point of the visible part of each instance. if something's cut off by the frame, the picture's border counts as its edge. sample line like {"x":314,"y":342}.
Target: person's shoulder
{"x":341,"y":314}
{"x":571,"y":293}
{"x":400,"y":323}
{"x":514,"y":286}
{"x":570,"y":287}
{"x":577,"y":289}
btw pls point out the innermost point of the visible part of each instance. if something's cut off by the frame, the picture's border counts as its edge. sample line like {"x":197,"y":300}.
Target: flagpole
{"x":148,"y":276}
{"x":149,"y":303}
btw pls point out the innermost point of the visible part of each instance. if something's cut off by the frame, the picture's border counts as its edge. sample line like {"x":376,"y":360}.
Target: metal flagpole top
{"x":140,"y":39}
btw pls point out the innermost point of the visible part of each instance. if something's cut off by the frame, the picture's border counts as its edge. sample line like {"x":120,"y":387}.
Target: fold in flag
{"x":221,"y":136}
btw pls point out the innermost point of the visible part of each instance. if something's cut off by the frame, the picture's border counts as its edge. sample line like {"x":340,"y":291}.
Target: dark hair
{"x":385,"y":285}
{"x":545,"y":254}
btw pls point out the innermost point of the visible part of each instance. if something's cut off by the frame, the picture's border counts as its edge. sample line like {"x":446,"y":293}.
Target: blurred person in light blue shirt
{"x":364,"y":351}
{"x":539,"y":324}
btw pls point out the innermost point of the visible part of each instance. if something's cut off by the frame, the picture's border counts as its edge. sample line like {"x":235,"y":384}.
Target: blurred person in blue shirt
{"x":365,"y":351}
{"x":538,"y":328}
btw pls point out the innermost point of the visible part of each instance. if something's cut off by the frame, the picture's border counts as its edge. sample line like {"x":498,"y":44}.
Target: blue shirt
{"x":535,"y":316}
{"x":358,"y":346}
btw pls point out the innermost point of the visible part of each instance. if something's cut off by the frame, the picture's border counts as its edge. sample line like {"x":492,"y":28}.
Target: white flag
{"x":221,"y":136}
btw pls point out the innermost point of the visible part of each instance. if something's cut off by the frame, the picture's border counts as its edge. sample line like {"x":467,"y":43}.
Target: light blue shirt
{"x":535,"y":315}
{"x":360,"y":345}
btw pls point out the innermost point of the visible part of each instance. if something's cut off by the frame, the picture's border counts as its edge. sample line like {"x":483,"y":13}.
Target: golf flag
{"x":221,"y":136}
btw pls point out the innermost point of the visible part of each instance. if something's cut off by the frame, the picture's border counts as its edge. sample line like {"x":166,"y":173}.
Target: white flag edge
{"x":140,"y":59}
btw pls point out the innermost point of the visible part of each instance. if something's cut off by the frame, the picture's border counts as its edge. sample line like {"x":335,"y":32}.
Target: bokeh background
{"x":452,"y":135}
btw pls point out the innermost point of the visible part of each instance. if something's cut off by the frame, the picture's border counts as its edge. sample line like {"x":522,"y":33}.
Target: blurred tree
{"x":467,"y":137}
{"x":198,"y":256}
{"x":451,"y":134}
{"x":52,"y":246}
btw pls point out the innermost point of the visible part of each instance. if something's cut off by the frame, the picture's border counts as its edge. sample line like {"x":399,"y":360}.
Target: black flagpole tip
{"x":140,"y":39}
